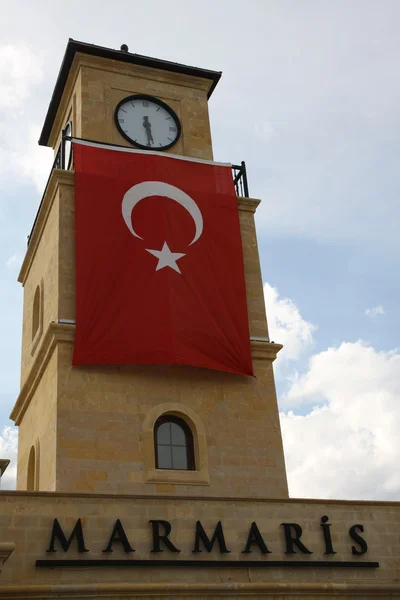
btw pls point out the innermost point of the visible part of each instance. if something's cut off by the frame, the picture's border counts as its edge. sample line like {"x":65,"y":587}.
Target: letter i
{"x":327,"y":535}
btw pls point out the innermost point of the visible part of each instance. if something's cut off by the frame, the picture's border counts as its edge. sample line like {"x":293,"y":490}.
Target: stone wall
{"x":95,"y":86}
{"x":26,"y":519}
{"x":98,"y":414}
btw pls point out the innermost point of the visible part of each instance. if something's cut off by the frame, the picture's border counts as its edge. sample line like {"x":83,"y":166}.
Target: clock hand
{"x":147,"y":126}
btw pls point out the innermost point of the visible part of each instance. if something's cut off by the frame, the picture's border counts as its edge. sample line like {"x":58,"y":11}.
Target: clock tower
{"x":162,"y":474}
{"x":135,"y":429}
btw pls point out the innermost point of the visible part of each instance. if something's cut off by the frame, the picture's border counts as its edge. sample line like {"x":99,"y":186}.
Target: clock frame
{"x":157,"y":101}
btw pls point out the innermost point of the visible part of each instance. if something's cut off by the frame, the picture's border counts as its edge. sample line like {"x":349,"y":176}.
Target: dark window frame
{"x":188,"y":437}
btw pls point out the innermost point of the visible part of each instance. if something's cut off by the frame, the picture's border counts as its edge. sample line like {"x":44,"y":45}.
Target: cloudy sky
{"x":310,"y":98}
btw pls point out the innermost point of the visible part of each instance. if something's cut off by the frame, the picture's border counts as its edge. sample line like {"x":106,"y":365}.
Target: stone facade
{"x":97,"y":413}
{"x":96,"y":85}
{"x":26,"y":519}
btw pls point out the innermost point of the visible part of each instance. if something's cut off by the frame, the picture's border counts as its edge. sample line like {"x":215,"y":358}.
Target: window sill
{"x":177,"y":477}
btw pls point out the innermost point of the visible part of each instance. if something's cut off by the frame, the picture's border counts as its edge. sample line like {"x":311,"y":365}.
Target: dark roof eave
{"x":122,"y":56}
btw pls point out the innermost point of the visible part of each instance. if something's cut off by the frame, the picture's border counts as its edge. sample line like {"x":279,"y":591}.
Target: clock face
{"x":147,"y":122}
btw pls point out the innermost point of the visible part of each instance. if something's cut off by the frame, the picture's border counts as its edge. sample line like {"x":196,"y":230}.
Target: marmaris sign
{"x":161,"y":540}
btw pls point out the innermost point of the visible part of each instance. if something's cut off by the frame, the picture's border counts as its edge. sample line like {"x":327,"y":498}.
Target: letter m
{"x":209,"y":544}
{"x":58,"y":534}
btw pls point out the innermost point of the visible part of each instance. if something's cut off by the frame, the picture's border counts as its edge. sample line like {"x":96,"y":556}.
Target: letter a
{"x":118,"y":535}
{"x":255,"y":537}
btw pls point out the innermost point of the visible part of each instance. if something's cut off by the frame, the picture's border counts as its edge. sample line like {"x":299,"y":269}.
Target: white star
{"x":166,"y":258}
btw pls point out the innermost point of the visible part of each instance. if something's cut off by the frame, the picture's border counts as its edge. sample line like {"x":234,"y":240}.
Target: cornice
{"x":65,"y":333}
{"x":248,"y":204}
{"x":276,"y":589}
{"x":56,"y":332}
{"x":21,"y":494}
{"x":265,"y":350}
{"x":58,"y":177}
{"x":144,"y":72}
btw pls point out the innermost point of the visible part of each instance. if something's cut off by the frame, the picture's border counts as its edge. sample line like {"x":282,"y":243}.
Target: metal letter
{"x":119,"y":535}
{"x":255,"y":537}
{"x":57,"y":533}
{"x":292,"y":541}
{"x":157,"y":537}
{"x":357,"y":538}
{"x":327,"y":535}
{"x":209,"y":544}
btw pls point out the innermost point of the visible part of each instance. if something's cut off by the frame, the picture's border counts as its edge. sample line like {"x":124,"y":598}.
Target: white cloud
{"x":8,"y":449}
{"x":375,"y":311}
{"x":347,"y":446}
{"x":20,"y":155}
{"x":19,"y":69}
{"x":11,"y":261}
{"x":286,"y":325}
{"x":34,"y":161}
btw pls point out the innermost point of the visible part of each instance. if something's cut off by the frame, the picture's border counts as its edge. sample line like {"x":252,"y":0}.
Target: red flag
{"x":159,"y":266}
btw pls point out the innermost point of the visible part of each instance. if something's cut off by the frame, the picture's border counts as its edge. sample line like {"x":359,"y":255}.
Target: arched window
{"x":30,"y":482}
{"x":32,"y":478}
{"x":36,"y":313}
{"x":173,"y":442}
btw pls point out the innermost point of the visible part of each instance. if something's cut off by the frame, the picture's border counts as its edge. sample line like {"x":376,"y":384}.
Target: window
{"x":155,"y":450}
{"x":37,"y":316}
{"x":173,"y":444}
{"x":36,"y":313}
{"x":32,"y":477}
{"x":30,"y":483}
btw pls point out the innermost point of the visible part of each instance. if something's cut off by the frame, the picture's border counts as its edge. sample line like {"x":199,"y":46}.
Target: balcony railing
{"x":62,"y":160}
{"x":238,"y":171}
{"x":240,"y":180}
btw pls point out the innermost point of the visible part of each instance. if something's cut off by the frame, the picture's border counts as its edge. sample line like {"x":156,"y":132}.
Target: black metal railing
{"x":238,"y":171}
{"x":62,"y":162}
{"x":240,"y":180}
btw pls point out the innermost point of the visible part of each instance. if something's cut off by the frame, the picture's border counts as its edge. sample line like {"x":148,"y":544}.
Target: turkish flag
{"x":159,"y":266}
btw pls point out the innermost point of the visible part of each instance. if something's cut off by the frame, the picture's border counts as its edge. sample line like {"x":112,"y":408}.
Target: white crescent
{"x":158,"y":188}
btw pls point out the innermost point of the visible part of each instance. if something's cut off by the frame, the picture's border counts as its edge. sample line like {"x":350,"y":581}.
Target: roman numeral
{"x":145,"y":103}
{"x":172,"y":128}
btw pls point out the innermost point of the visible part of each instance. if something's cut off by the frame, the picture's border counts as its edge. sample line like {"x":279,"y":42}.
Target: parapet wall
{"x":352,"y":553}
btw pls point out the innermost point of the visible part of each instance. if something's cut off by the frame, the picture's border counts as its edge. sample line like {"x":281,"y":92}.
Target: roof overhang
{"x":74,"y":46}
